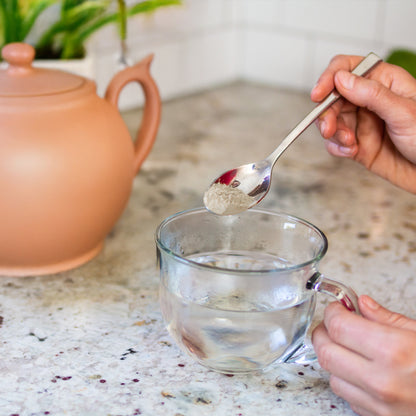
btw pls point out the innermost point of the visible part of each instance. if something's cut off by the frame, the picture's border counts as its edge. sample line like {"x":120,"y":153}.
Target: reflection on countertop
{"x":91,"y":341}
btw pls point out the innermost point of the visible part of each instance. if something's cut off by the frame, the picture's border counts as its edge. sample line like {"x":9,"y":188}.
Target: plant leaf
{"x":151,"y":5}
{"x":122,"y":19}
{"x":11,"y":20}
{"x":404,"y":58}
{"x":71,"y":19}
{"x":32,"y":14}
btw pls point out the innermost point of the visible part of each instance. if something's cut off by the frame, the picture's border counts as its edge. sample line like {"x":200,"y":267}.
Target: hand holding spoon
{"x":241,"y":188}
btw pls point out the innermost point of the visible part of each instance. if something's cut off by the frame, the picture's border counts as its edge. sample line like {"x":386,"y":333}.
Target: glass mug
{"x":238,"y":292}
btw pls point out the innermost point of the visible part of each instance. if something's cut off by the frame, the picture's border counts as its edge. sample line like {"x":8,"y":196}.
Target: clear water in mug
{"x":232,"y":334}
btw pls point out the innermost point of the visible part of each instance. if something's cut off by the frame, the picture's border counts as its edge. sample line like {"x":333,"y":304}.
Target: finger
{"x":363,"y":383}
{"x":377,"y":313}
{"x":335,"y":149}
{"x":345,"y":132}
{"x":343,"y":143}
{"x":360,"y":411}
{"x":340,"y":361}
{"x":360,"y":401}
{"x":325,"y":83}
{"x":333,"y":119}
{"x":370,"y":94}
{"x":327,"y":123}
{"x":354,"y":332}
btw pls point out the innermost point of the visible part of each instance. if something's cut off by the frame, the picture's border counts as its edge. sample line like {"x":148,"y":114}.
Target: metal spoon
{"x":245,"y":186}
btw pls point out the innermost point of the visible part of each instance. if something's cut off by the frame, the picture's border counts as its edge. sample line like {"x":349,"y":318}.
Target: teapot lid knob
{"x":22,"y":79}
{"x":19,"y":56}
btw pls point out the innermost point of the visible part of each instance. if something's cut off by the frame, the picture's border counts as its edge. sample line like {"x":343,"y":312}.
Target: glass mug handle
{"x":343,"y":294}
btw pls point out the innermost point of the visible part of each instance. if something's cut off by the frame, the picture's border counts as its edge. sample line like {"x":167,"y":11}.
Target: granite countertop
{"x":91,"y":341}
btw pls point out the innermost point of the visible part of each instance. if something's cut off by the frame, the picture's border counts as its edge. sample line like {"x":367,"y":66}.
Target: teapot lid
{"x":21,"y":79}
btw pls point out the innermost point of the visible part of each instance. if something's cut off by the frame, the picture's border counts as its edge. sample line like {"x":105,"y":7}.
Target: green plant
{"x":77,"y":20}
{"x":404,"y":58}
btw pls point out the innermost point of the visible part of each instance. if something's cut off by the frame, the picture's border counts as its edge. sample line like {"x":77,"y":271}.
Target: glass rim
{"x":322,"y":251}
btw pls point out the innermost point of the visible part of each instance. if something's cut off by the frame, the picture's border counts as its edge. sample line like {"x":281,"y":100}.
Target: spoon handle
{"x":368,"y":63}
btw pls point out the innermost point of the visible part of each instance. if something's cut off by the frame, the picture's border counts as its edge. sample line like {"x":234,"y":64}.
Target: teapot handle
{"x":146,"y":134}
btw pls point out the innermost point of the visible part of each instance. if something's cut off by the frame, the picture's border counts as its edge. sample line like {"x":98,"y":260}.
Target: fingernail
{"x":369,"y":302}
{"x":345,"y":150}
{"x":314,"y":88}
{"x":346,"y":79}
{"x":322,"y":127}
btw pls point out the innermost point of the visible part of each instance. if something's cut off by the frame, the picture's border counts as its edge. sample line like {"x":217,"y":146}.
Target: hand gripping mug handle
{"x":146,"y":135}
{"x":343,"y":294}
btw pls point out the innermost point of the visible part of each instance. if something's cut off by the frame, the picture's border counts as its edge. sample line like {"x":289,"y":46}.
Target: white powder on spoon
{"x":222,"y":199}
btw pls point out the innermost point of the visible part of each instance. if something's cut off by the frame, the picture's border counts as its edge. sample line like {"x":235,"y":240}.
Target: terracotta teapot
{"x":67,"y":161}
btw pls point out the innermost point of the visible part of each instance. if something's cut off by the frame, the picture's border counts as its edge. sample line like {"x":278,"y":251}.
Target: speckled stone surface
{"x":91,"y":341}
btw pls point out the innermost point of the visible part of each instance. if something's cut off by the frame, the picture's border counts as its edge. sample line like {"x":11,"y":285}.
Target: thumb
{"x":373,"y":311}
{"x":370,"y":94}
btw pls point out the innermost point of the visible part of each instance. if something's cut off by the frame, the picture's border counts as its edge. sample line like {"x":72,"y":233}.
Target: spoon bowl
{"x":253,"y":179}
{"x":241,"y":188}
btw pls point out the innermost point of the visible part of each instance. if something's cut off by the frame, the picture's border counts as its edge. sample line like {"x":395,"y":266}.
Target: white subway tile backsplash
{"x":167,"y":67}
{"x":261,"y":12}
{"x":178,"y":21}
{"x":282,"y":42}
{"x":231,"y":11}
{"x":140,"y":29}
{"x":351,"y":19}
{"x":399,"y":25}
{"x":193,"y":15}
{"x":210,"y":60}
{"x":275,"y":58}
{"x":179,"y":67}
